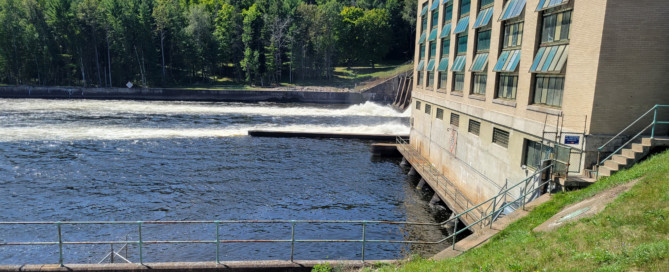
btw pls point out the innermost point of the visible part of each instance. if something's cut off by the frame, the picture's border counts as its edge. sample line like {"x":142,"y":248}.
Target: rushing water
{"x":77,"y":160}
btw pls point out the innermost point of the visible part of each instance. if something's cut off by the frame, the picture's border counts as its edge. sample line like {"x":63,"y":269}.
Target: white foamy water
{"x":64,"y":120}
{"x":107,"y":107}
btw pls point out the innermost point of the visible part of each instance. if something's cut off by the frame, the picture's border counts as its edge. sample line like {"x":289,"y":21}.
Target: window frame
{"x":455,"y":119}
{"x":499,"y":141}
{"x":477,"y":125}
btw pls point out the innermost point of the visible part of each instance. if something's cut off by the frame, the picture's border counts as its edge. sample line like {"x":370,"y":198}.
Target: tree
{"x":228,"y":33}
{"x":376,"y":35}
{"x":200,"y":31}
{"x":349,"y":34}
{"x":251,"y":63}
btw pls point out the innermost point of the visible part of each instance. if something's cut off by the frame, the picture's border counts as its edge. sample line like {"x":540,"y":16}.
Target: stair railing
{"x":651,"y":126}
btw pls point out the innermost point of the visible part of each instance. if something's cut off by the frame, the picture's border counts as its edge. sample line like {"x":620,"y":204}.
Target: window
{"x":418,"y":105}
{"x":508,"y":84}
{"x":465,"y":6}
{"x":474,"y":127}
{"x":534,"y":153}
{"x":485,"y":3}
{"x":550,"y":60}
{"x":445,"y":46}
{"x":548,"y":90}
{"x":513,"y":35}
{"x":430,"y":78}
{"x":462,"y":44}
{"x":555,"y":27}
{"x":433,"y":49}
{"x":455,"y":119}
{"x":440,"y":114}
{"x":500,"y":137}
{"x":428,"y":108}
{"x":443,"y":78}
{"x":420,"y":78}
{"x":424,"y":21}
{"x":459,"y":82}
{"x":448,"y":12}
{"x":483,"y":40}
{"x":435,"y":17}
{"x":479,"y":83}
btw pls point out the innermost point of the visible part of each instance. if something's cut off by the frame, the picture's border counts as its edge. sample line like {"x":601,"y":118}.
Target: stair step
{"x":606,"y":172}
{"x":622,"y":159}
{"x":647,"y":141}
{"x":631,"y":153}
{"x":640,"y":147}
{"x":614,"y":165}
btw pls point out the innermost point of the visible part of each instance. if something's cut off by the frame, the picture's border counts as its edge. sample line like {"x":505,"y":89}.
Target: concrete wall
{"x":632,"y":75}
{"x":181,"y":94}
{"x":384,"y":92}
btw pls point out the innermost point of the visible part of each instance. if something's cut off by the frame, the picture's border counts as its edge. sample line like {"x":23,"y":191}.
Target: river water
{"x":80,"y":160}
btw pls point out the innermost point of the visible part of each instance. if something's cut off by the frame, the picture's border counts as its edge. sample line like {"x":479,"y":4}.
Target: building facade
{"x":501,"y":85}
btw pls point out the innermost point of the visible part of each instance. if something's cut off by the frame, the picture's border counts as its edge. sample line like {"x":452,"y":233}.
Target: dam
{"x":97,"y":160}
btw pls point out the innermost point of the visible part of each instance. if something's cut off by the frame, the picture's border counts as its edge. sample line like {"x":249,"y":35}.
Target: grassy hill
{"x":631,"y":234}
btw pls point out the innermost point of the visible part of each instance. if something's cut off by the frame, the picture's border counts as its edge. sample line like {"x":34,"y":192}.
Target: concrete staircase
{"x":630,"y":155}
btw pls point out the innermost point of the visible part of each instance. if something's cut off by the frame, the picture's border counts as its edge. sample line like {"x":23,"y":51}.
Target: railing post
{"x":111,"y":256}
{"x":141,"y":255}
{"x":292,"y":240}
{"x":218,"y":242}
{"x":652,"y":131}
{"x":364,"y":239}
{"x":455,"y":231}
{"x":60,"y":245}
{"x":492,"y":215}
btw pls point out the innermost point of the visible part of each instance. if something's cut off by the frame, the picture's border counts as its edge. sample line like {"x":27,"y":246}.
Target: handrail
{"x":470,"y":211}
{"x":652,"y":126}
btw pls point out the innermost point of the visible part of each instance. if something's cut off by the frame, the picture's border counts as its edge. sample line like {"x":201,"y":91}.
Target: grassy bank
{"x":344,"y":77}
{"x":632,"y":233}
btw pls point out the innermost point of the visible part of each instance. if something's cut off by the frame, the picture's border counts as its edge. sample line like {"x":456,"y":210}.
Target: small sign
{"x":572,"y":139}
{"x":129,"y":85}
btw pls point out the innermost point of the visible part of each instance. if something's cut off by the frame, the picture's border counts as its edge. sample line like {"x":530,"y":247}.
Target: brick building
{"x":501,"y":85}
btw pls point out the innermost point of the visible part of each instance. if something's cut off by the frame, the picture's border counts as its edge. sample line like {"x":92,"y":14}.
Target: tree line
{"x":106,"y":43}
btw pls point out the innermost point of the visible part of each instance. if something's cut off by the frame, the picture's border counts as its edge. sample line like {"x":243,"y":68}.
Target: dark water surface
{"x":119,"y":160}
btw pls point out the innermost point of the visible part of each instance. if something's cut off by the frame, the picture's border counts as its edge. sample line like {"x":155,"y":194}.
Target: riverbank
{"x":629,"y":234}
{"x":282,"y":95}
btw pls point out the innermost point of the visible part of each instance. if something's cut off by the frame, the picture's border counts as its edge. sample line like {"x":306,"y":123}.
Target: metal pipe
{"x":363,"y":241}
{"x":60,"y":245}
{"x":652,"y":132}
{"x":218,"y":243}
{"x":292,"y":241}
{"x":141,"y":256}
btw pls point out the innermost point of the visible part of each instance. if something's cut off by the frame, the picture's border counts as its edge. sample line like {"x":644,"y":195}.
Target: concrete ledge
{"x":385,"y":150}
{"x":297,"y":134}
{"x":197,"y":266}
{"x":343,"y":97}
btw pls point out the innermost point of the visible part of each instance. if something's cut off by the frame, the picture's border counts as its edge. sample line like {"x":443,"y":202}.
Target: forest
{"x":163,"y":43}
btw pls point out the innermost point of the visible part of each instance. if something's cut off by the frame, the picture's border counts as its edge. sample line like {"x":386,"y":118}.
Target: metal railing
{"x":492,"y":209}
{"x":652,"y":125}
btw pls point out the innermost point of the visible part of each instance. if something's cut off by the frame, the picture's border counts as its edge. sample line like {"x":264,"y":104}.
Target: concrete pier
{"x":299,"y":134}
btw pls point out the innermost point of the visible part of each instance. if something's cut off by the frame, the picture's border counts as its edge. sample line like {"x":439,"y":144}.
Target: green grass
{"x":355,"y":77}
{"x":632,"y":233}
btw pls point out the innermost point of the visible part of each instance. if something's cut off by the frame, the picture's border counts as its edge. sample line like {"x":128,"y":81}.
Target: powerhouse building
{"x":501,"y":85}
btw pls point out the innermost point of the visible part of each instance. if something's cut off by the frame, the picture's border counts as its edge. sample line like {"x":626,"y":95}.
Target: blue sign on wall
{"x":571,"y":139}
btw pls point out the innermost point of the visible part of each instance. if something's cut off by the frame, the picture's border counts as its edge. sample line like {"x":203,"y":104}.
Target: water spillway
{"x":80,"y":160}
